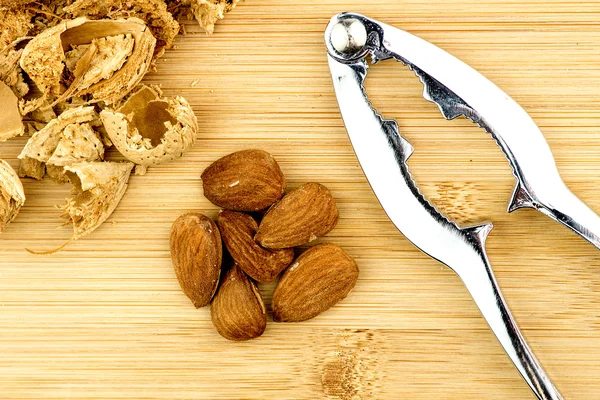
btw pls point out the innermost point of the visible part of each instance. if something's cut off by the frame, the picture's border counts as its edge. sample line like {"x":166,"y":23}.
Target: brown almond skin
{"x":303,"y":215}
{"x":237,"y":310}
{"x":196,"y":252}
{"x":322,"y":276}
{"x":263,"y":265}
{"x":247,"y":180}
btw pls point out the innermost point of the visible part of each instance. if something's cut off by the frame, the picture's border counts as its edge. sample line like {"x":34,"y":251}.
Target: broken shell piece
{"x":111,"y":54}
{"x":98,"y":187}
{"x":79,"y":143}
{"x":56,"y":173}
{"x":149,"y":130}
{"x":32,"y":168}
{"x":28,"y":106}
{"x":135,"y":67}
{"x":11,"y":73}
{"x":43,"y":114}
{"x":140,"y":170}
{"x":10,"y":118}
{"x":43,"y":143}
{"x":103,"y":135}
{"x":95,"y":62}
{"x":14,"y":23}
{"x":154,"y":12}
{"x":44,"y":57}
{"x":12,"y":196}
{"x":72,"y":56}
{"x":208,"y":12}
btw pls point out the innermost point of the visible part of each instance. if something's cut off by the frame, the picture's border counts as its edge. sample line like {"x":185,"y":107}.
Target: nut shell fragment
{"x":11,"y":73}
{"x":98,"y":189}
{"x":79,"y":142}
{"x":10,"y":118}
{"x":44,"y":57}
{"x":208,"y":12}
{"x":43,"y":143}
{"x":14,"y":23}
{"x":111,"y":53}
{"x":153,"y":12}
{"x":56,"y":173}
{"x":32,"y":168}
{"x":12,"y":196}
{"x":149,"y":130}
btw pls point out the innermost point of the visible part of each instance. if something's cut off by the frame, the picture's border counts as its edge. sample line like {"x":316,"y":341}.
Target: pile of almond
{"x":250,"y":181}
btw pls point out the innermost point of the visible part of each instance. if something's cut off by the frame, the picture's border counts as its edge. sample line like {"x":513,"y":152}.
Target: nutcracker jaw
{"x":459,"y":90}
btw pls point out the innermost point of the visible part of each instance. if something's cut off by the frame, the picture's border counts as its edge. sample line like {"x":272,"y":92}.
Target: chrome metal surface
{"x":383,"y":154}
{"x":458,"y":90}
{"x":348,"y":36}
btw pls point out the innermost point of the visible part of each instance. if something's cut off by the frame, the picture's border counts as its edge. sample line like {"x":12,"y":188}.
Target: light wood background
{"x":105,"y":318}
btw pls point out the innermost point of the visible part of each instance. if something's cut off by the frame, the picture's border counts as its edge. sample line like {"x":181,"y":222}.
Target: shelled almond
{"x":317,"y":280}
{"x":248,"y":180}
{"x":251,"y":180}
{"x":302,"y":216}
{"x":263,"y":265}
{"x":197,"y":253}
{"x":237,"y":311}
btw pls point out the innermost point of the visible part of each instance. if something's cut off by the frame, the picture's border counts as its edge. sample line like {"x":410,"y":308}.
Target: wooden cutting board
{"x":105,"y":317}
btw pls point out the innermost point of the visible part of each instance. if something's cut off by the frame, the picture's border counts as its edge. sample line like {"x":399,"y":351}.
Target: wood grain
{"x":106,"y":318}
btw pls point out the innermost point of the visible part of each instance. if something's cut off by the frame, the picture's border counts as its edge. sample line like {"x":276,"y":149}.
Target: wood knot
{"x":352,"y":371}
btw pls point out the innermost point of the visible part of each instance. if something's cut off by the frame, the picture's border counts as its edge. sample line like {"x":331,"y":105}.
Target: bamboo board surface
{"x":105,"y":318}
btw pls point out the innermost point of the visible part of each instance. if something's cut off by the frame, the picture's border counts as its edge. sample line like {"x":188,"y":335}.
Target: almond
{"x":196,"y":251}
{"x":248,"y":180}
{"x":238,"y":230}
{"x":238,"y":311}
{"x":322,"y":276}
{"x":303,"y":215}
